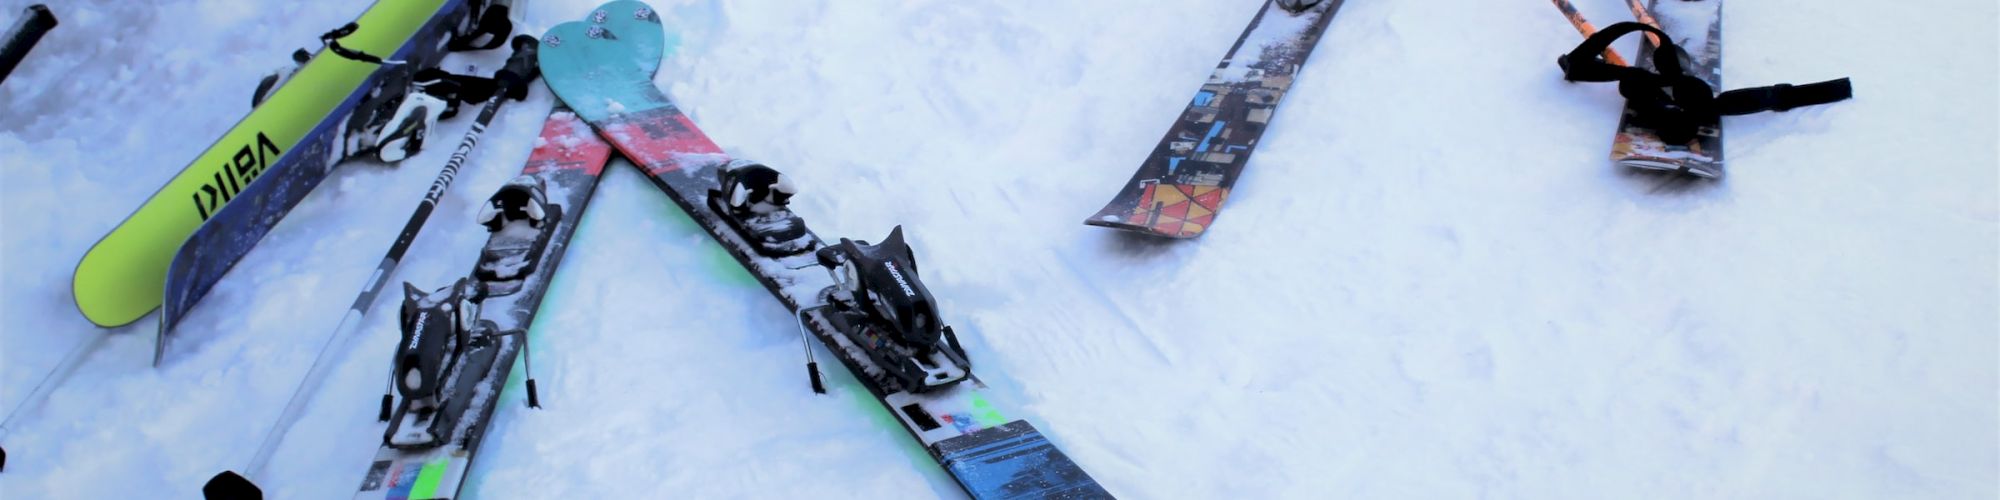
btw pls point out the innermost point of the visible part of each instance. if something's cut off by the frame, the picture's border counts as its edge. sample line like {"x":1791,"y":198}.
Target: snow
{"x":1429,"y":282}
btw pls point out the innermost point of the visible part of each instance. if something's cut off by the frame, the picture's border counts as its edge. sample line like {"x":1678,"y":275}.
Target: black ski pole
{"x":35,"y":22}
{"x":512,"y":80}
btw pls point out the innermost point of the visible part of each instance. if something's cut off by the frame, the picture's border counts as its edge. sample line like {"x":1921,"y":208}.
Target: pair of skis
{"x":229,"y":197}
{"x":864,"y":302}
{"x":186,"y":236}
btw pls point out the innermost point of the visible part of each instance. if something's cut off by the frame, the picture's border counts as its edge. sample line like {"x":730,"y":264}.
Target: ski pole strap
{"x":489,"y":31}
{"x":521,"y":69}
{"x":332,"y":41}
{"x":1783,"y":96}
{"x":1587,"y":64}
{"x":1674,"y":103}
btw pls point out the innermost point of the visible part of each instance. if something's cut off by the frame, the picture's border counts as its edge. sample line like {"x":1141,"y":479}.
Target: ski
{"x":1180,"y":187}
{"x":1673,"y":100}
{"x":272,"y":158}
{"x":865,"y":302}
{"x":511,"y":83}
{"x":36,"y":20}
{"x":460,"y":341}
{"x":1696,"y":25}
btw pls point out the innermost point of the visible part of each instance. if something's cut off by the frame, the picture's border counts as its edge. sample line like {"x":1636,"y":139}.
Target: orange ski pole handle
{"x":1584,"y":27}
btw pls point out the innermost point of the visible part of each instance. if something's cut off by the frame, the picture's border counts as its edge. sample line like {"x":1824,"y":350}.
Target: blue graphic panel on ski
{"x":989,"y":455}
{"x":1179,"y":189}
{"x":233,"y":231}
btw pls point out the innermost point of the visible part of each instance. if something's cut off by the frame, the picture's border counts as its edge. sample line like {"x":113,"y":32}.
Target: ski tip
{"x":1186,"y":232}
{"x":3,"y":458}
{"x":229,"y":485}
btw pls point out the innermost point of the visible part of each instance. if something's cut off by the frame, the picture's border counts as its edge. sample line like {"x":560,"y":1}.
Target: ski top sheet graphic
{"x":568,"y":160}
{"x":120,"y":279}
{"x":1180,"y":187}
{"x":232,"y":230}
{"x":989,"y":454}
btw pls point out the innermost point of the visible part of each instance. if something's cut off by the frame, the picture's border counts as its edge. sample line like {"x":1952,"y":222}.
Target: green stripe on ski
{"x":987,"y":415}
{"x":429,"y":478}
{"x":119,"y":280}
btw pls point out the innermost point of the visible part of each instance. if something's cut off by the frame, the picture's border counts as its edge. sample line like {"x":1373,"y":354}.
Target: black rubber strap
{"x":1783,"y":97}
{"x":490,"y":31}
{"x":332,"y":41}
{"x":1587,"y":64}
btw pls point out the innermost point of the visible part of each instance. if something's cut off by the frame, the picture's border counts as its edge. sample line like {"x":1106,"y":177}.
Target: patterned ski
{"x":1697,"y":26}
{"x":990,"y":454}
{"x":1181,"y":186}
{"x":568,"y":158}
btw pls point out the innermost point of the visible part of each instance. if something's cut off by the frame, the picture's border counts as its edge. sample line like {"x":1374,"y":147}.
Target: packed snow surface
{"x":1429,"y":283}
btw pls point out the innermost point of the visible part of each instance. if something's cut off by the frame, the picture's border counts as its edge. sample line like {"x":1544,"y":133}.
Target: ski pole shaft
{"x":1584,"y":27}
{"x":35,"y":21}
{"x":49,"y":382}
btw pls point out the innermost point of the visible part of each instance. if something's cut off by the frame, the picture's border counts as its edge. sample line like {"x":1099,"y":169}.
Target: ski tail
{"x":1179,"y":189}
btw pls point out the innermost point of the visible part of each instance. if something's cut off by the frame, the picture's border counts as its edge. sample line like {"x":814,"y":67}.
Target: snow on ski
{"x":929,"y":389}
{"x":1180,"y":187}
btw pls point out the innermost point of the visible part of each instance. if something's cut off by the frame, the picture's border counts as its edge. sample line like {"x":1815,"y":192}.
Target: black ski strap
{"x":332,"y":41}
{"x":455,"y":88}
{"x":491,"y":30}
{"x":1674,"y":103}
{"x":1783,"y":96}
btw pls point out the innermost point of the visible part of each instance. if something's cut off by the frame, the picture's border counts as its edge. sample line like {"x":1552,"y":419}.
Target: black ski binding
{"x":878,"y":302}
{"x":438,"y":330}
{"x":752,"y":198}
{"x":521,"y":220}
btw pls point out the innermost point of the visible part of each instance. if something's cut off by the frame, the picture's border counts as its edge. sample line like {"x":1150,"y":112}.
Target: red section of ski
{"x":568,"y":142}
{"x":662,"y":140}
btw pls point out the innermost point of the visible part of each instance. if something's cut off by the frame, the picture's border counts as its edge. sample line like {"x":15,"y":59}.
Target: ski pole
{"x":35,"y":22}
{"x":1644,"y":15}
{"x":1583,"y":26}
{"x":520,"y":70}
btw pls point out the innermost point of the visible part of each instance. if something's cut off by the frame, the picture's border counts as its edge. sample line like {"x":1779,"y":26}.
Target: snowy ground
{"x":1429,"y":283}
